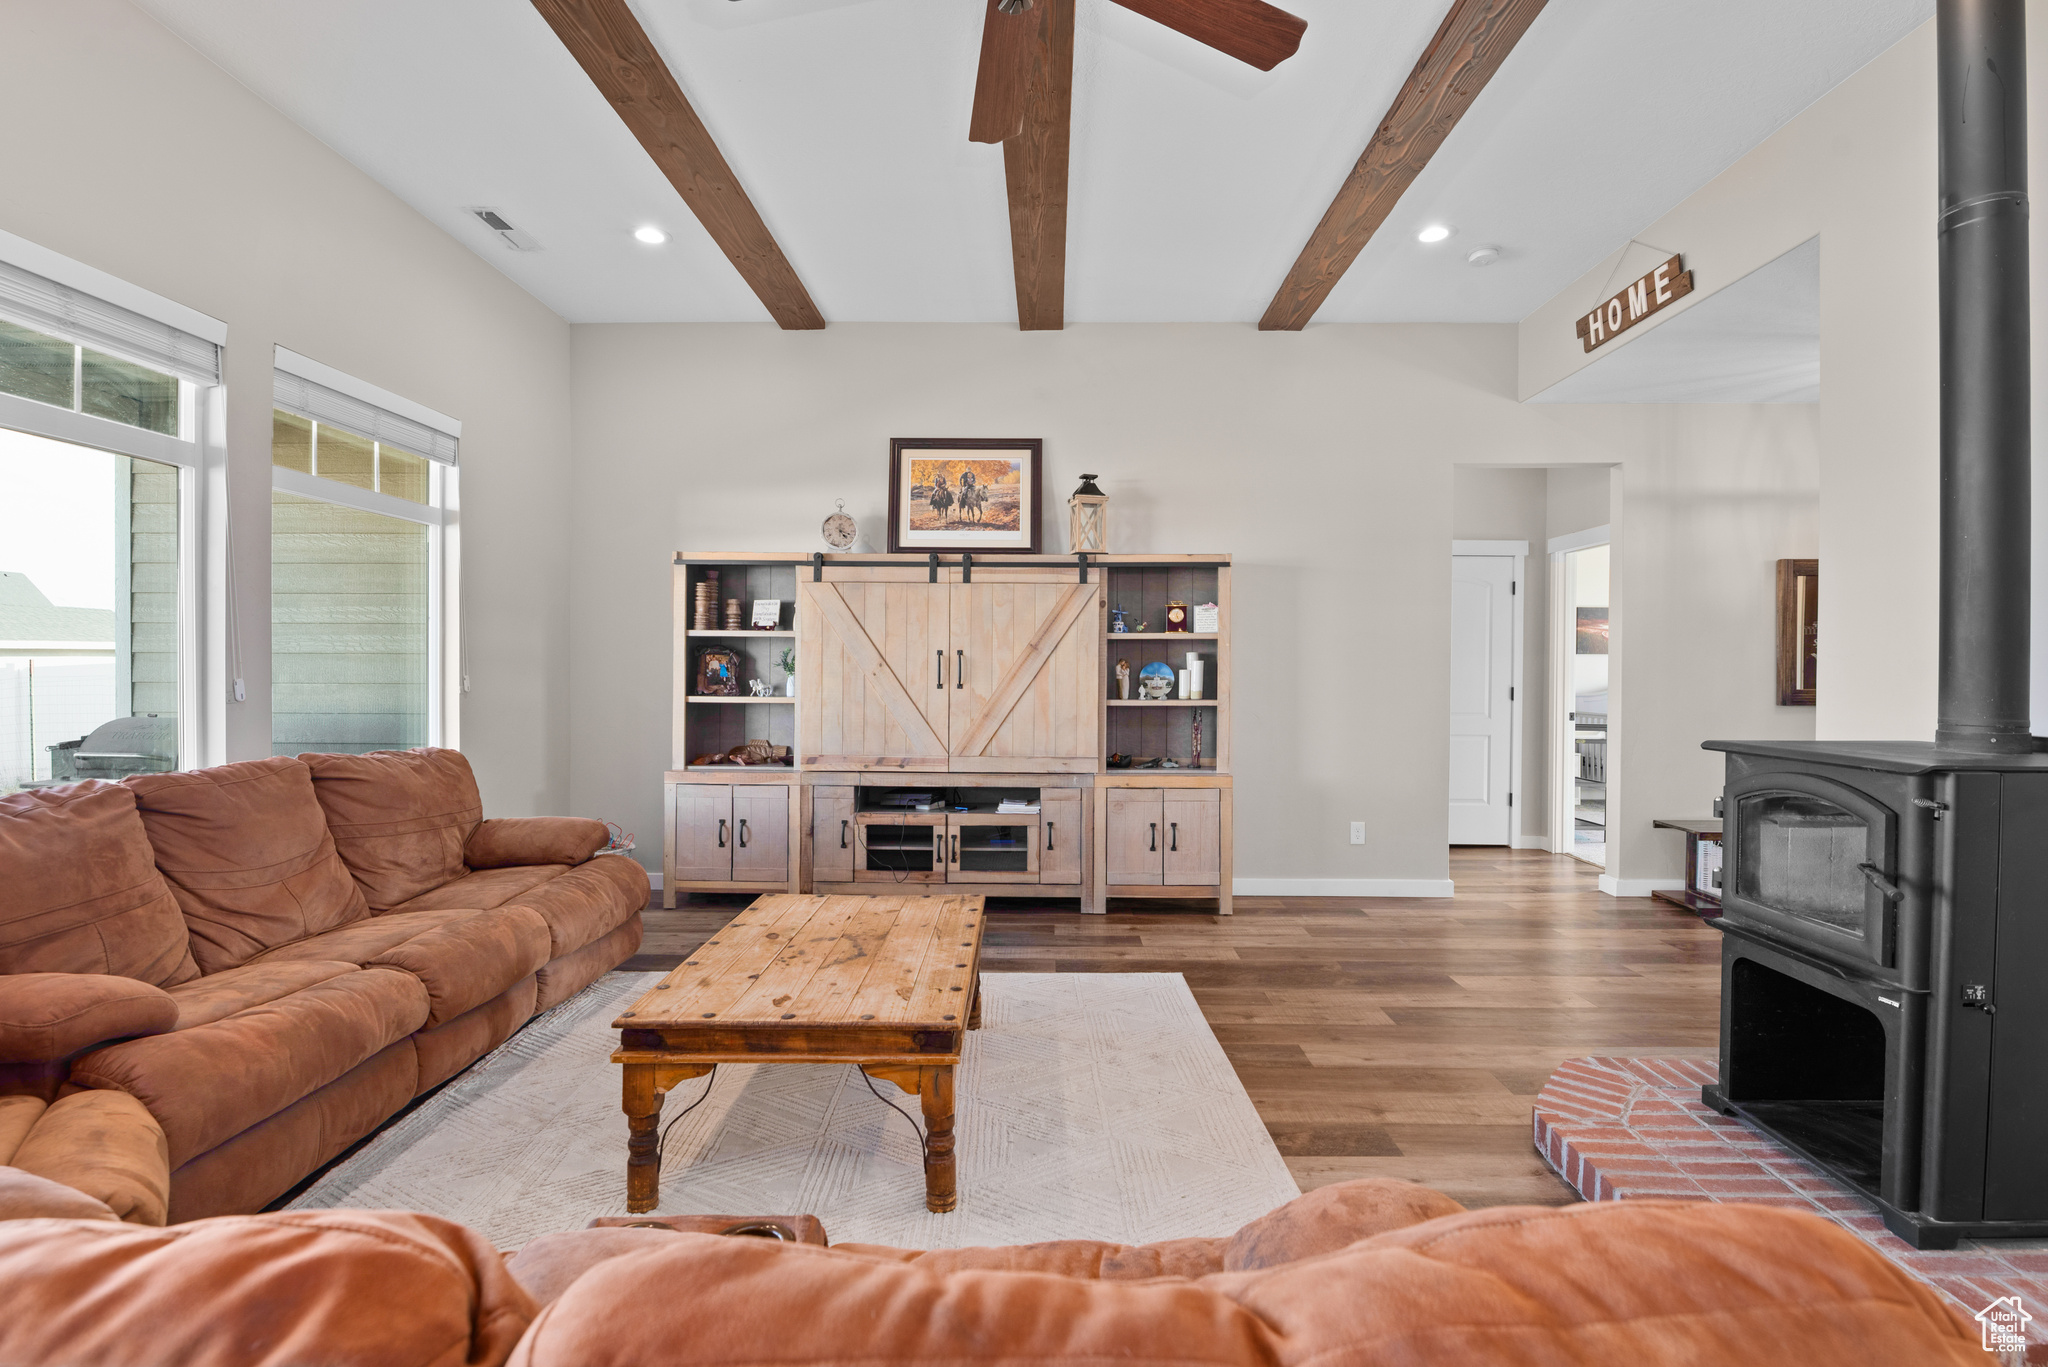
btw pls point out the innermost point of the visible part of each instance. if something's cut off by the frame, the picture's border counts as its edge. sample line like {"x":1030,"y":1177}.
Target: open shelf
{"x":1162,"y":702}
{"x":741,"y":632}
{"x":699,"y":697}
{"x":1162,"y":636}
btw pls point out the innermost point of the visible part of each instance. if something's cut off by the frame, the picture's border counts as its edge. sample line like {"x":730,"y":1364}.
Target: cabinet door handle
{"x":1173,"y":843}
{"x":721,"y":833}
{"x":960,"y":670}
{"x":1048,"y":835}
{"x":1154,"y":846}
{"x":939,"y":674}
{"x":842,"y":835}
{"x":956,"y":849}
{"x":743,"y":832}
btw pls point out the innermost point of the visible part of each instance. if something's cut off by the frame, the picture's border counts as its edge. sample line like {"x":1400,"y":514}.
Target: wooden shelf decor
{"x":960,"y":681}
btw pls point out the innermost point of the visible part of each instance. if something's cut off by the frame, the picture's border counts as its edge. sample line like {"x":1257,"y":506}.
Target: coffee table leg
{"x":974,"y":1011}
{"x":642,"y":1105}
{"x":941,"y":1184}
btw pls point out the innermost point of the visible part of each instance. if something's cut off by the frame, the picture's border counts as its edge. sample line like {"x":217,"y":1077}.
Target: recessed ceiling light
{"x":651,"y":235}
{"x":1485,"y":256}
{"x":1435,"y":232}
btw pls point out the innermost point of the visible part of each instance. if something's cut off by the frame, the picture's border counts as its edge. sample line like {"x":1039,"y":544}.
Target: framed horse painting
{"x":964,"y":494}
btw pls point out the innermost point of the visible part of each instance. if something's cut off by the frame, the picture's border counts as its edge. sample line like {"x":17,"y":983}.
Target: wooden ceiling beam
{"x":1035,"y":169}
{"x":616,"y":53}
{"x":1474,"y":40}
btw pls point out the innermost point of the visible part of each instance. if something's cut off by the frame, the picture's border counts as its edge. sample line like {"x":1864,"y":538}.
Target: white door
{"x":1482,"y":707}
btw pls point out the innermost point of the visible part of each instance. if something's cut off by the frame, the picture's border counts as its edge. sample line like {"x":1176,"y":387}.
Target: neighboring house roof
{"x":26,"y":615}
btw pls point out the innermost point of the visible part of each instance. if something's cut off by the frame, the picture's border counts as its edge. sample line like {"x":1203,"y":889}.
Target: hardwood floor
{"x":1387,"y":1037}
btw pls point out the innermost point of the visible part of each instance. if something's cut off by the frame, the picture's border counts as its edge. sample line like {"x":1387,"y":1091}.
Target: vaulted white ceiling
{"x":1195,"y":179}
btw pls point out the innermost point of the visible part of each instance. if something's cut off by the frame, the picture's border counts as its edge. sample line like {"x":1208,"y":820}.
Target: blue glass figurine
{"x":1116,"y":621}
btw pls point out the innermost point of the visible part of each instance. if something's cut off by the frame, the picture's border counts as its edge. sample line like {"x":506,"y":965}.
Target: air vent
{"x":495,"y":221}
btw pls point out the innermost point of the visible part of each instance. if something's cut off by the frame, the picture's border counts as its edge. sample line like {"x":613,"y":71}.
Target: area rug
{"x":1090,"y":1106}
{"x":1630,"y":1128}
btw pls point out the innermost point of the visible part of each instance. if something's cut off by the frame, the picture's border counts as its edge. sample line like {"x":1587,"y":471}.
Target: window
{"x":102,"y":394}
{"x":361,"y":566}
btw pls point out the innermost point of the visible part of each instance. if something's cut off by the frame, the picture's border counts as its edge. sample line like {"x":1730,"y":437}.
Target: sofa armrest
{"x":534,"y":840}
{"x":47,"y":1016}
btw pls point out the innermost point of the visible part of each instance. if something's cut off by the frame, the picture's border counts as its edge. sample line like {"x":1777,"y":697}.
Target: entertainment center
{"x":957,"y":721}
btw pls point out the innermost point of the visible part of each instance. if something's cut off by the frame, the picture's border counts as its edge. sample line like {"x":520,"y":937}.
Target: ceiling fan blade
{"x":1249,"y":30}
{"x":1008,"y":44}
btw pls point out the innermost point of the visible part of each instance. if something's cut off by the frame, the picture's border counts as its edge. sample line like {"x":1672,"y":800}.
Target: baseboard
{"x":1313,"y":887}
{"x":1530,"y":842}
{"x":1637,"y":887}
{"x":1341,"y":887}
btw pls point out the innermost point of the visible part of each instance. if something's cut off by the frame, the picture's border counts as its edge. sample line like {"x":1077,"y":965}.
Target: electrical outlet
{"x":1358,"y":832}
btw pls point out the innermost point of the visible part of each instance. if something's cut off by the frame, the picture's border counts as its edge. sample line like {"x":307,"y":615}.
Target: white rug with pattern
{"x":1091,"y":1105}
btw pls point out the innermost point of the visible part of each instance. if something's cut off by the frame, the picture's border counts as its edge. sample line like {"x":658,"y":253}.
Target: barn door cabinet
{"x":970,"y":683}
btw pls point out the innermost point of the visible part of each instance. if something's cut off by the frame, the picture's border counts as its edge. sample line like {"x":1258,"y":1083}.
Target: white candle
{"x":1194,"y":674}
{"x":1184,"y":684}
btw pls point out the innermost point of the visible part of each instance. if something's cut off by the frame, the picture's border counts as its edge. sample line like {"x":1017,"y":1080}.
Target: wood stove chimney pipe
{"x":1986,"y":442}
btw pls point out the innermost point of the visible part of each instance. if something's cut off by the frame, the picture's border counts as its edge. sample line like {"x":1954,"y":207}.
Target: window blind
{"x":43,"y":304}
{"x":311,"y":399}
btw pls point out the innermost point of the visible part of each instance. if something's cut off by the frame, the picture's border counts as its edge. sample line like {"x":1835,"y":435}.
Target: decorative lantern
{"x":1087,"y":526}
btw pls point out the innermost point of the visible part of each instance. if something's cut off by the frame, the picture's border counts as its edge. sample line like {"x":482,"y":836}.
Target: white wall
{"x":128,"y":151}
{"x":1858,"y":169}
{"x":1322,"y":460}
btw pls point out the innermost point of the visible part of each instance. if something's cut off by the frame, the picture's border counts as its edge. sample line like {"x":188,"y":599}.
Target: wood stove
{"x":1884,"y":1002}
{"x":1884,"y":983}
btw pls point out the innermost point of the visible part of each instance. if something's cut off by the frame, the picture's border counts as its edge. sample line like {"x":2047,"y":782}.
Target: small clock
{"x":839,"y":529}
{"x":1176,"y":616}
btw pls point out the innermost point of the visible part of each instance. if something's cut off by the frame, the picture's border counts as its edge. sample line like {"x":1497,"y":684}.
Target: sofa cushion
{"x":18,"y":1115}
{"x":1610,"y":1284}
{"x":364,"y":940}
{"x":213,"y":1081}
{"x":534,"y":840}
{"x":1331,"y":1218}
{"x":107,"y":1145}
{"x":399,"y":817}
{"x":338,"y":1288}
{"x":83,"y":891}
{"x":220,"y":995}
{"x":588,"y":902}
{"x":464,"y":958}
{"x":54,"y":1015}
{"x":485,"y":888}
{"x":25,"y":1196}
{"x":467,"y":962}
{"x":246,"y":849}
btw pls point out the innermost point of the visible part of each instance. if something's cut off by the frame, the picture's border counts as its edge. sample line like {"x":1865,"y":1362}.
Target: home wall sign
{"x":1654,"y":292}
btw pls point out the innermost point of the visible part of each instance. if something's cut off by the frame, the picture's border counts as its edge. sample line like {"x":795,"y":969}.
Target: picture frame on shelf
{"x":972,"y":494}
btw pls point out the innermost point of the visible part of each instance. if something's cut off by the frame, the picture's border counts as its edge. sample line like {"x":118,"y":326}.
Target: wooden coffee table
{"x":887,"y":983}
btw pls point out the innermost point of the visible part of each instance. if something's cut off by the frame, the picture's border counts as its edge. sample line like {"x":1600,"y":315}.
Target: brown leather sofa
{"x":274,"y":957}
{"x":1370,"y":1274}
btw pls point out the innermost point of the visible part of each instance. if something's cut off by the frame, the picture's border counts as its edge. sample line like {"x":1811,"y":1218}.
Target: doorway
{"x":1582,"y":646}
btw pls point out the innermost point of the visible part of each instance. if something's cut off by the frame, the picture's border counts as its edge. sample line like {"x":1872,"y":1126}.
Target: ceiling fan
{"x":1249,"y":30}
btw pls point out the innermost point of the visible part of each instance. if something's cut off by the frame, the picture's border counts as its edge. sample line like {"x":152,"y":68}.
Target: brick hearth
{"x":1618,"y":1129}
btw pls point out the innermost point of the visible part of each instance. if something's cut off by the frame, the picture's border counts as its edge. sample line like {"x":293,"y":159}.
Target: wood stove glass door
{"x":1815,"y":860}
